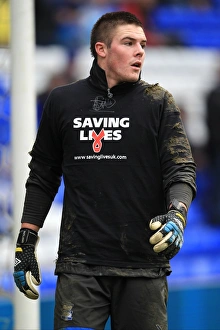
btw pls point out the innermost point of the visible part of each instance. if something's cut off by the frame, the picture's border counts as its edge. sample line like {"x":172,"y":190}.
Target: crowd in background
{"x":68,"y":22}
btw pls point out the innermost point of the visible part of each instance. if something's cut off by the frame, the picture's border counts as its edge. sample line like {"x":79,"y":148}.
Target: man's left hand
{"x":169,"y":236}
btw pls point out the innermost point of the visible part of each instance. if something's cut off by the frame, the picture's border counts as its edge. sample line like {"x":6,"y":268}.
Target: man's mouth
{"x":136,"y":64}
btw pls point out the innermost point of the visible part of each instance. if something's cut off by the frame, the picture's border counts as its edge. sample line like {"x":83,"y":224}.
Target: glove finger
{"x":20,"y":280}
{"x":171,"y":251}
{"x":173,"y":247}
{"x":33,"y":279}
{"x":179,"y":242}
{"x":171,"y":225}
{"x":154,"y":224}
{"x":159,"y":235}
{"x":157,"y":222}
{"x":163,"y":243}
{"x":30,"y":291}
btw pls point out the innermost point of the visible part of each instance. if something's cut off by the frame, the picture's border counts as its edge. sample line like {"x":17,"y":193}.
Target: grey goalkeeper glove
{"x":168,"y":238}
{"x":26,"y":268}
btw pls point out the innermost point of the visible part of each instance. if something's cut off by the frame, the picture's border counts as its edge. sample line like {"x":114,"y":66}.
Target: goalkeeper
{"x":124,"y":213}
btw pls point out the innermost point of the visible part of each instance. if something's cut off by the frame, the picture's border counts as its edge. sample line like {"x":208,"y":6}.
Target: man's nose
{"x":139,"y":50}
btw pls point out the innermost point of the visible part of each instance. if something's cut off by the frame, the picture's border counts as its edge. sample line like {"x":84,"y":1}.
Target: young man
{"x":129,"y":180}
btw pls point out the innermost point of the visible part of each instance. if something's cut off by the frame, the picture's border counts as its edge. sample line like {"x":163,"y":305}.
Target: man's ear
{"x":100,"y":48}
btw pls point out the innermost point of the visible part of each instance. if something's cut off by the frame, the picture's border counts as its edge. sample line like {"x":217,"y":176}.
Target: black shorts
{"x":86,"y":302}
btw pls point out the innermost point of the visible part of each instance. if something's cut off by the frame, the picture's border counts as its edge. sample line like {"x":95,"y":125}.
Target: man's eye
{"x":128,"y":43}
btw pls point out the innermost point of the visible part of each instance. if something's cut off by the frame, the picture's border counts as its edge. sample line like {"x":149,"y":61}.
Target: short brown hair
{"x":103,"y":28}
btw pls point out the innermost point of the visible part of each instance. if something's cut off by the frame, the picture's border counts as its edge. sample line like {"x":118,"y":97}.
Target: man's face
{"x":124,"y":59}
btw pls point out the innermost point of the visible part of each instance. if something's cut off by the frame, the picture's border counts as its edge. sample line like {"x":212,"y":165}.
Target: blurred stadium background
{"x":183,"y":55}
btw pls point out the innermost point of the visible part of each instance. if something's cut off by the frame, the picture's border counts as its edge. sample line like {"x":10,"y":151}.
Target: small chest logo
{"x":102,"y":104}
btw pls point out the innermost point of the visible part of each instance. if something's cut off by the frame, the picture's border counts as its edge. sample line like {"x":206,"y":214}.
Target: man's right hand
{"x":26,"y":268}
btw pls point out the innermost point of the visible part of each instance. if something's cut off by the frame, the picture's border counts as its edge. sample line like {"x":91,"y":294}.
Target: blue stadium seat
{"x":4,"y":116}
{"x":193,"y":27}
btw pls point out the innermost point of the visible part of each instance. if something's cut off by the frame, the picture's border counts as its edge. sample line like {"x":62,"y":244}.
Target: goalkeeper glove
{"x":26,"y":269}
{"x":170,"y":227}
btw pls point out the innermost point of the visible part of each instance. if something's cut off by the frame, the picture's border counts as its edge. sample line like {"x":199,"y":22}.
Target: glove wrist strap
{"x":27,"y":237}
{"x":176,"y":205}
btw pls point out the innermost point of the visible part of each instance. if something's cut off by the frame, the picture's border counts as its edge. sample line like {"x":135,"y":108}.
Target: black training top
{"x":119,"y":151}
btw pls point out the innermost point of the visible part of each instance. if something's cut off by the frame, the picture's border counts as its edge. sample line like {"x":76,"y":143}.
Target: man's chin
{"x":131,"y":79}
{"x":134,"y":79}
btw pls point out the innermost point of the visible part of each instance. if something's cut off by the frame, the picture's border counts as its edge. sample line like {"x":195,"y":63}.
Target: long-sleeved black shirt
{"x":119,"y":151}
